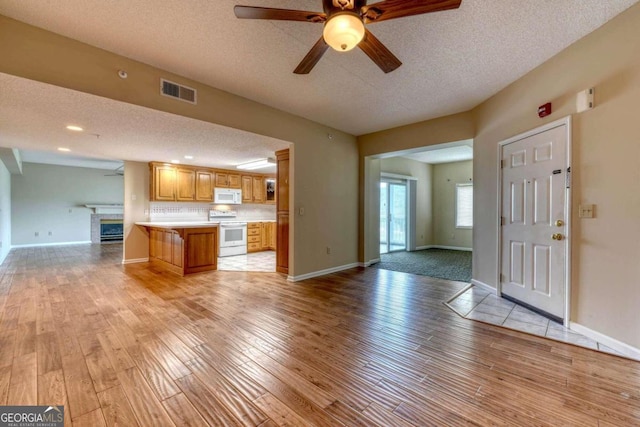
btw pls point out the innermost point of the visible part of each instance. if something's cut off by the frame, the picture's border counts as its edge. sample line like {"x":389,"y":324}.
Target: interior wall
{"x":605,"y":249}
{"x":445,"y":178}
{"x":49,"y":200}
{"x":423,"y":173}
{"x":5,"y":212}
{"x":136,"y":208}
{"x":326,"y":169}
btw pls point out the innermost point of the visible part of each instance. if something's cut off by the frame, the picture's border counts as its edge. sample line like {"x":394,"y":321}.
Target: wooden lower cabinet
{"x":282,"y":251}
{"x":261,"y":236}
{"x":184,"y":250}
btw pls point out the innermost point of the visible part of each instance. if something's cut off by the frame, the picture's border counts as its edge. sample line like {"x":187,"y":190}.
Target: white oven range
{"x":233,"y":238}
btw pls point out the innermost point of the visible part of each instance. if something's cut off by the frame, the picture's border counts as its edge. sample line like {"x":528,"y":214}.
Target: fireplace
{"x":106,"y":228}
{"x":111,"y":230}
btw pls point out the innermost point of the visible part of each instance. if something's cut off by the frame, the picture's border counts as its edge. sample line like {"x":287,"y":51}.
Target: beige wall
{"x":326,"y":171}
{"x":605,"y":165}
{"x":445,"y":178}
{"x":5,"y":212}
{"x":424,"y":210}
{"x":136,"y":208}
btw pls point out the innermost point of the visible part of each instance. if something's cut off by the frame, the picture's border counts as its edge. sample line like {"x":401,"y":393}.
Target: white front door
{"x":534,"y":219}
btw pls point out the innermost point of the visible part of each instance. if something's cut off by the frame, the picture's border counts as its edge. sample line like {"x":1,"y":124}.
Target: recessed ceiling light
{"x":188,"y":157}
{"x":175,"y":161}
{"x":63,"y":149}
{"x":75,"y":128}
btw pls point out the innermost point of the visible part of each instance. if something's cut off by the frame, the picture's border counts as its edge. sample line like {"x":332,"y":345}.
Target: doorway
{"x":393,"y":216}
{"x":534,"y":246}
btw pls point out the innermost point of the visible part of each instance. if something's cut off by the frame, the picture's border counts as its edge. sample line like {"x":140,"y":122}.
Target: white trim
{"x":135,"y":260}
{"x":565,"y":121}
{"x":369,"y":263}
{"x":618,"y":346}
{"x":37,"y":245}
{"x":483,"y":285}
{"x":397,"y":176}
{"x":322,"y":272}
{"x":452,"y":248}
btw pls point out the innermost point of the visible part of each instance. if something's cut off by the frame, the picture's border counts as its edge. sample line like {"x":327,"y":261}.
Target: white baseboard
{"x":37,"y":245}
{"x":135,"y":260}
{"x":369,"y":263}
{"x":484,"y":286}
{"x":321,"y":272}
{"x":619,"y":346}
{"x":452,"y":248}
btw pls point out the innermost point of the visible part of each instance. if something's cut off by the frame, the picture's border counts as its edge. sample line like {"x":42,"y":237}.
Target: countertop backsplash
{"x":176,"y":211}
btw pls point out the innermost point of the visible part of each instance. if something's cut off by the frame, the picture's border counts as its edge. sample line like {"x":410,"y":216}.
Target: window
{"x":464,"y":205}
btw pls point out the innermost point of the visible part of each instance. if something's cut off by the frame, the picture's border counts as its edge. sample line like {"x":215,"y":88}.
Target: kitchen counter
{"x":179,"y":224}
{"x":183,"y":247}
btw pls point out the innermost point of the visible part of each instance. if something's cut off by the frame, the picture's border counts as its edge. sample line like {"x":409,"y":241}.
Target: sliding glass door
{"x":393,"y":216}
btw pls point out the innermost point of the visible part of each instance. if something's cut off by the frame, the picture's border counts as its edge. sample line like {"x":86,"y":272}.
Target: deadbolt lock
{"x":559,"y":223}
{"x":556,"y":236}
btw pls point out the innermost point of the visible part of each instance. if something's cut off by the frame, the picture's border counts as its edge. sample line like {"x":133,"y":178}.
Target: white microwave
{"x":227,"y":196}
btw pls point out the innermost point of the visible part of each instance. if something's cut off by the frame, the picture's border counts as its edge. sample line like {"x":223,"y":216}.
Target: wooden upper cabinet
{"x":282,"y":181}
{"x":204,"y":186}
{"x":247,"y":189}
{"x":163,"y":183}
{"x":228,"y":180}
{"x":186,"y":186}
{"x":258,"y":189}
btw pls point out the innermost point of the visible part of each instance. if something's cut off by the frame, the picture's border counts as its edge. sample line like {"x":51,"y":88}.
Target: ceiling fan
{"x":344,"y":25}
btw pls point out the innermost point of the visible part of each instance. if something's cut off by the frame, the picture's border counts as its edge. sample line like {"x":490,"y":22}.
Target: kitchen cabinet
{"x":261,"y":236}
{"x":228,"y":180}
{"x":258,"y":189}
{"x":163,"y":183}
{"x":270,"y":190}
{"x":204,"y":186}
{"x":282,"y":212}
{"x":247,"y":189}
{"x":185,"y":184}
{"x":184,"y":250}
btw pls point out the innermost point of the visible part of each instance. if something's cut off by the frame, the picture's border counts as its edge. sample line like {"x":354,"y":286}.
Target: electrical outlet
{"x":585,"y":211}
{"x":37,"y":234}
{"x":328,"y":250}
{"x":50,"y":233}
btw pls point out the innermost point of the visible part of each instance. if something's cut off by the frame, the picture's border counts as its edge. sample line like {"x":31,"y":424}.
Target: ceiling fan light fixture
{"x":343,"y":31}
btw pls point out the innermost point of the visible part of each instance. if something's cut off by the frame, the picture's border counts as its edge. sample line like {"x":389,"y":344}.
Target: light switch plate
{"x":585,"y":211}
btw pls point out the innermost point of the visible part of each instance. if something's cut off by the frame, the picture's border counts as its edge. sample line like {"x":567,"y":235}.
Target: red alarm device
{"x":544,"y":110}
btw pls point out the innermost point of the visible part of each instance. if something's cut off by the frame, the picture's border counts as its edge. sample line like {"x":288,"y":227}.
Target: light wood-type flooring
{"x":135,"y":346}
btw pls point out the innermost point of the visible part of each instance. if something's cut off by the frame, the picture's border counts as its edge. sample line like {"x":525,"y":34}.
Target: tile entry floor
{"x":479,"y":304}
{"x":256,"y":261}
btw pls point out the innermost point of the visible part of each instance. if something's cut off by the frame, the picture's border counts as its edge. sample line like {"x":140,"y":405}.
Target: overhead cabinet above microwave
{"x":184,"y":183}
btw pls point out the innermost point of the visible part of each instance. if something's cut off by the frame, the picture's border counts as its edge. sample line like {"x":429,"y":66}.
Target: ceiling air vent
{"x":177,"y":91}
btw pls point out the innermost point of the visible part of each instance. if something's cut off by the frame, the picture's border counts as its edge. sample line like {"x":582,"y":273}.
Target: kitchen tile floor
{"x":479,"y":304}
{"x":256,"y":261}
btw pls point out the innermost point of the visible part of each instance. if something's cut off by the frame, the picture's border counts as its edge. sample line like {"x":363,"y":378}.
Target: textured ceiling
{"x":34,"y":116}
{"x":453,"y":60}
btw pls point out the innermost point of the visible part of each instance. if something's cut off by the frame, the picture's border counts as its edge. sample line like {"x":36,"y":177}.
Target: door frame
{"x":567,"y":200}
{"x":397,"y":180}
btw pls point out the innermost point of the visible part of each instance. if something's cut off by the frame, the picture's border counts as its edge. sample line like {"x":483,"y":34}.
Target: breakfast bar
{"x":183,"y":247}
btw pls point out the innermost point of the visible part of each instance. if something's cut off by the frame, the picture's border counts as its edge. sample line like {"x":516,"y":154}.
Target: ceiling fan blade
{"x":250,"y":12}
{"x":392,"y":9}
{"x":379,"y":53}
{"x":312,"y":58}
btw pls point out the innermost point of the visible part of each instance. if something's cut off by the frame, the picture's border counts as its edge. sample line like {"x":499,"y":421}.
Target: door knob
{"x":556,"y":236}
{"x":559,"y":223}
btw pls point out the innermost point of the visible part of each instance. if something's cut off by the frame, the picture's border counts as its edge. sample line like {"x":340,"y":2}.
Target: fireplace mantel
{"x":107,"y":209}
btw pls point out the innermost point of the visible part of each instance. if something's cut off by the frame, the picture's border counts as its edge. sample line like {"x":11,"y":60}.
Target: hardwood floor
{"x":135,"y":346}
